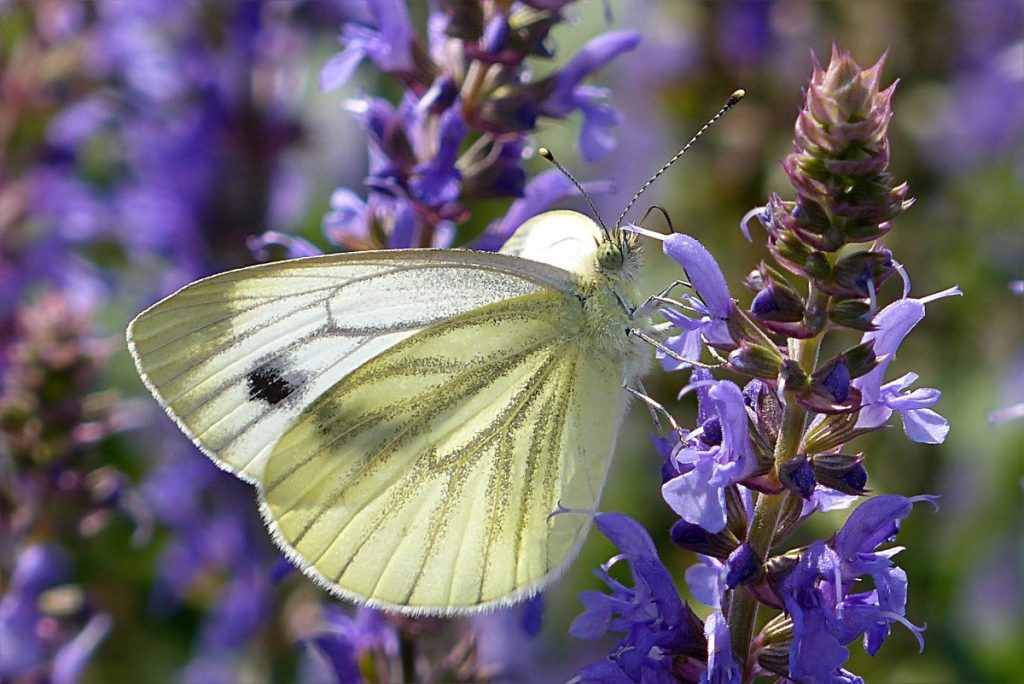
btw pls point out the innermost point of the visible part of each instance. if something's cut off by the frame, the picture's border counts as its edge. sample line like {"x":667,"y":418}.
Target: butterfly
{"x":428,"y":430}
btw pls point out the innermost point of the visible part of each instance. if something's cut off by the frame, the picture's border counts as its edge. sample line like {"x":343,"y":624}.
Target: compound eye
{"x":610,"y":257}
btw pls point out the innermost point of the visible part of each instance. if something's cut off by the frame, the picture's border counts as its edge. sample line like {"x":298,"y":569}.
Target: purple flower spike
{"x":892,"y":324}
{"x":698,"y":494}
{"x":596,"y":139}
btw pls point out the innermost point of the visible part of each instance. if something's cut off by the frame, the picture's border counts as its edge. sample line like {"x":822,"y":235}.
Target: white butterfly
{"x":413,"y":420}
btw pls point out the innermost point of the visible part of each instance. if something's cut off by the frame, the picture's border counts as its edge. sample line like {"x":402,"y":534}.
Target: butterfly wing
{"x":427,"y":479}
{"x":236,"y":358}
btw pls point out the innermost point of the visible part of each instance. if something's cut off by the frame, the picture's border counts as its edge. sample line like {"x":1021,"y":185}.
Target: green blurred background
{"x":956,"y":138}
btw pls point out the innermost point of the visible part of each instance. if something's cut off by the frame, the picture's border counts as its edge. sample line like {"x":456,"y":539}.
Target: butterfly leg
{"x":654,"y":407}
{"x":668,"y":352}
{"x":648,"y":307}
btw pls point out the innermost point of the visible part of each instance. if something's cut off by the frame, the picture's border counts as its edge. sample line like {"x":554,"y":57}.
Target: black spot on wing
{"x":268,"y":382}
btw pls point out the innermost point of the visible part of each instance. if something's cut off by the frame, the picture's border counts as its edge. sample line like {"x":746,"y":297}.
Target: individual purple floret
{"x":893,"y":323}
{"x":711,"y":458}
{"x":710,"y":308}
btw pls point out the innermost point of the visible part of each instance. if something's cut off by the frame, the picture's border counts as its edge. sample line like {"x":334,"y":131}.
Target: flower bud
{"x":779,"y":309}
{"x":764,"y":408}
{"x":695,"y":538}
{"x":832,"y":432}
{"x":833,"y":380}
{"x":789,"y":517}
{"x":798,"y":477}
{"x":775,"y":658}
{"x":756,"y":360}
{"x":851,"y":313}
{"x":830,"y":390}
{"x":742,"y":566}
{"x":851,"y":275}
{"x":842,"y":472}
{"x":861,"y":359}
{"x":792,"y":377}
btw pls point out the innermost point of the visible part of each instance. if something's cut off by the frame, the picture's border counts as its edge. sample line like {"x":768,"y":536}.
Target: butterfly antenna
{"x":546,"y":153}
{"x":733,"y":99}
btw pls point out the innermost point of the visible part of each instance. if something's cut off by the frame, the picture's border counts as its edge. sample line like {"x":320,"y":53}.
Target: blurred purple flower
{"x":36,"y":646}
{"x":983,"y":116}
{"x":745,"y":31}
{"x":568,"y":95}
{"x":263,"y":246}
{"x":389,"y":47}
{"x":541,"y":192}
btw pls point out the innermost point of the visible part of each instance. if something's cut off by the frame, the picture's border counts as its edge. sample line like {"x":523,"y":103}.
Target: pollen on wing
{"x":270,"y":382}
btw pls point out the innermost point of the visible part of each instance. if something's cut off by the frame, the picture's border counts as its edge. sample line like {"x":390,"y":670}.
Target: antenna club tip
{"x":737,"y":95}
{"x":546,"y":153}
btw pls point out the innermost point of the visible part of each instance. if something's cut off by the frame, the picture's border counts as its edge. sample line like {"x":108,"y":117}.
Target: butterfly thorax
{"x":610,"y":299}
{"x":605,"y":265}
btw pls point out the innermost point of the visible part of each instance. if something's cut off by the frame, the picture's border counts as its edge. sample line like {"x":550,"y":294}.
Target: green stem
{"x":743,"y":606}
{"x":407,"y":656}
{"x":476,"y":76}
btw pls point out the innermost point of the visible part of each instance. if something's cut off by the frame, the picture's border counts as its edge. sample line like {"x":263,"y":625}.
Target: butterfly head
{"x":619,"y":254}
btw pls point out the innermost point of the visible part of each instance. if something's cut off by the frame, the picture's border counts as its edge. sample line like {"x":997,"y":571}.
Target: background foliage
{"x":142,"y":145}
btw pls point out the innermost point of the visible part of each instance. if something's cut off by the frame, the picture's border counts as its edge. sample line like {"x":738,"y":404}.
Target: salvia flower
{"x":892,"y":324}
{"x":658,"y":625}
{"x":713,"y":457}
{"x":700,"y":319}
{"x":783,"y":438}
{"x":819,"y":593}
{"x":459,"y":132}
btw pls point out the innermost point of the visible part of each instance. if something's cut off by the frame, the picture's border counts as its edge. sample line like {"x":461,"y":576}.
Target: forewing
{"x":429,"y":479}
{"x":237,"y":357}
